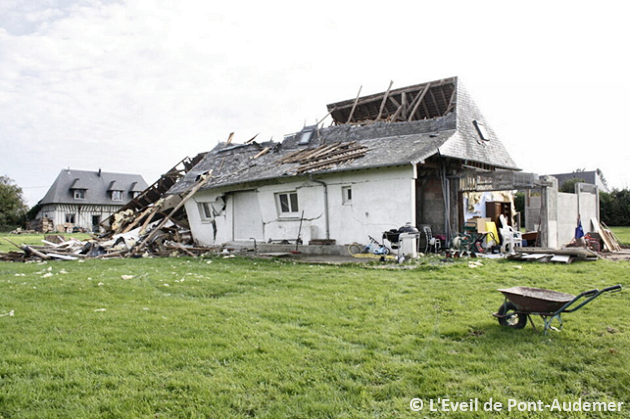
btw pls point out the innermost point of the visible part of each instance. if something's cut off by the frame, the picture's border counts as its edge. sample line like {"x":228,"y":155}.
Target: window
{"x":117,"y":196}
{"x":206,"y":211}
{"x":79,"y":194}
{"x":288,"y":203}
{"x":346,"y":195}
{"x":305,"y":137}
{"x":70,"y":218}
{"x":481,"y":130}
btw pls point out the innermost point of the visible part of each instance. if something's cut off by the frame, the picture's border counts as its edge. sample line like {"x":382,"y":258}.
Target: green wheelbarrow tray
{"x":521,"y":302}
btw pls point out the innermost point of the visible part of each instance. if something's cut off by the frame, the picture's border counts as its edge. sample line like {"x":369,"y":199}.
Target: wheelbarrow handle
{"x":589,"y":293}
{"x":614,"y":288}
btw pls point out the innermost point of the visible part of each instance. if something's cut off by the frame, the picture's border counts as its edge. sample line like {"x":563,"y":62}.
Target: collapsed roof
{"x":398,"y":127}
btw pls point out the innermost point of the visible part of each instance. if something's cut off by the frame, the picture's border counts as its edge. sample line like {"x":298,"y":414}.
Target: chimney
{"x":99,"y":172}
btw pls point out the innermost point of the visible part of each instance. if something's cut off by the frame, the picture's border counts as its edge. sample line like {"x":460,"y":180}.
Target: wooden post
{"x":417,"y":105}
{"x":380,"y":111}
{"x":354,"y":105}
{"x":193,"y":190}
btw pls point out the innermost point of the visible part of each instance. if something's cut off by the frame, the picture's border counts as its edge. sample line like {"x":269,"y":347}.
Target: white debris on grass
{"x":100,"y":284}
{"x":126,"y":277}
{"x":99,"y":310}
{"x":476,"y":264}
{"x":10,"y":314}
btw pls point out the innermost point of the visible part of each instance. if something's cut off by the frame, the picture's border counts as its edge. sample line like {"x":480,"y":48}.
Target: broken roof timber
{"x":389,"y":103}
{"x":449,"y":130}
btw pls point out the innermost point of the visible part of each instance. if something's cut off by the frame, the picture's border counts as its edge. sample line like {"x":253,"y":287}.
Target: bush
{"x":615,"y":207}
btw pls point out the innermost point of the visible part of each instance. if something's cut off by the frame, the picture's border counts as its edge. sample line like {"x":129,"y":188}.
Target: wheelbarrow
{"x":522,"y":302}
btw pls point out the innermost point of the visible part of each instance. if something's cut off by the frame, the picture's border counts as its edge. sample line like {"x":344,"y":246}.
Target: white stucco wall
{"x":381,"y":200}
{"x":567,"y":217}
{"x":562,"y":210}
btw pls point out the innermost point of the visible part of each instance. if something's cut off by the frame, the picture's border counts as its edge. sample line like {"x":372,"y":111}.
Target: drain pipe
{"x":321,"y":182}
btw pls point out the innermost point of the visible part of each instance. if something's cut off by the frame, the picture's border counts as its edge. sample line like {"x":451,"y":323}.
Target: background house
{"x":397,"y":157}
{"x":85,"y":198}
{"x":593,"y":177}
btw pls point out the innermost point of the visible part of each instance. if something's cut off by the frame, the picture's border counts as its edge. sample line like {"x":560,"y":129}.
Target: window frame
{"x":117,"y":196}
{"x":206,"y":211}
{"x":346,"y":195}
{"x":292,"y":200}
{"x":78,"y":194}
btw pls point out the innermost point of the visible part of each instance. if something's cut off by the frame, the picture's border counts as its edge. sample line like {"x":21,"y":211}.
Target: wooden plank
{"x":437,"y":107}
{"x":230,"y":138}
{"x":325,"y":116}
{"x":354,"y":105}
{"x":262,"y":152}
{"x":380,"y":111}
{"x":331,"y":161}
{"x":419,"y":101}
{"x":444,"y":98}
{"x":451,"y":102}
{"x":154,"y":210}
{"x":192,"y":191}
{"x":137,"y":220}
{"x":251,"y":139}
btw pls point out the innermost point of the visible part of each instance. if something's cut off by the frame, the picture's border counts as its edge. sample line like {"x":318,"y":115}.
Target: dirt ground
{"x":624,"y":254}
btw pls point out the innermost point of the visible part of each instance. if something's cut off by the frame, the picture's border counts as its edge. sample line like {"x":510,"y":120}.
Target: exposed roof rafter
{"x":422,"y":101}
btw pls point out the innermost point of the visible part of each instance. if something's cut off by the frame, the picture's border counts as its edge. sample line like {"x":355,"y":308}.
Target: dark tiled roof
{"x":97,"y":187}
{"x":385,"y":144}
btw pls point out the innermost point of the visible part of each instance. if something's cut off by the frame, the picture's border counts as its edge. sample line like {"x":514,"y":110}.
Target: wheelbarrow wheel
{"x":511,"y":317}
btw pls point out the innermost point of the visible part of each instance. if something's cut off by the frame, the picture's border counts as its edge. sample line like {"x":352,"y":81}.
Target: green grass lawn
{"x":623,"y":234}
{"x":237,"y":338}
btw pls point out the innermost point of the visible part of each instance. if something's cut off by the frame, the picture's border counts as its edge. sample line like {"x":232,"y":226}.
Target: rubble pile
{"x":158,"y":229}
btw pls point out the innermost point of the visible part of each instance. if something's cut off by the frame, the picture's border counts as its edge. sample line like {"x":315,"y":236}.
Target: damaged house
{"x":403,"y":156}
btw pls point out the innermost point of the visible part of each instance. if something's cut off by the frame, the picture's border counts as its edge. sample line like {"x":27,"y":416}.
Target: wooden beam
{"x":419,"y":99}
{"x":230,"y":138}
{"x":251,"y":139}
{"x":426,"y":110}
{"x":354,"y":105}
{"x":191,"y":192}
{"x":451,"y":103}
{"x":380,"y":111}
{"x":444,"y":97}
{"x":437,"y":107}
{"x":262,"y":152}
{"x":154,"y":210}
{"x":138,"y":218}
{"x":325,"y":116}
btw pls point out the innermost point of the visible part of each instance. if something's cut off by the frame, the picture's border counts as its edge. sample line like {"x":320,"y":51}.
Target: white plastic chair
{"x":510,"y":238}
{"x":432,"y":242}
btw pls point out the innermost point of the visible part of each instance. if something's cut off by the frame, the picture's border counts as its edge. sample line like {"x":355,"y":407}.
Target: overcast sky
{"x":134,"y":86}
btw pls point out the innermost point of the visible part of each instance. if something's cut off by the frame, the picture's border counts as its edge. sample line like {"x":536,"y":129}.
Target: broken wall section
{"x":555,"y":214}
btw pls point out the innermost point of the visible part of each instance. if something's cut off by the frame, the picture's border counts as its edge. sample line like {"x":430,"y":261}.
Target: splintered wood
{"x":325,"y":156}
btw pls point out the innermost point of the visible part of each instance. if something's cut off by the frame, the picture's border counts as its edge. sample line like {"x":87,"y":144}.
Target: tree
{"x":569,"y":185}
{"x":615,"y":207}
{"x":12,"y":206}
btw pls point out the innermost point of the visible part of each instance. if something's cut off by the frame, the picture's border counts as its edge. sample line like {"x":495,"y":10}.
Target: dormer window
{"x":79,"y":194}
{"x":117,"y":195}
